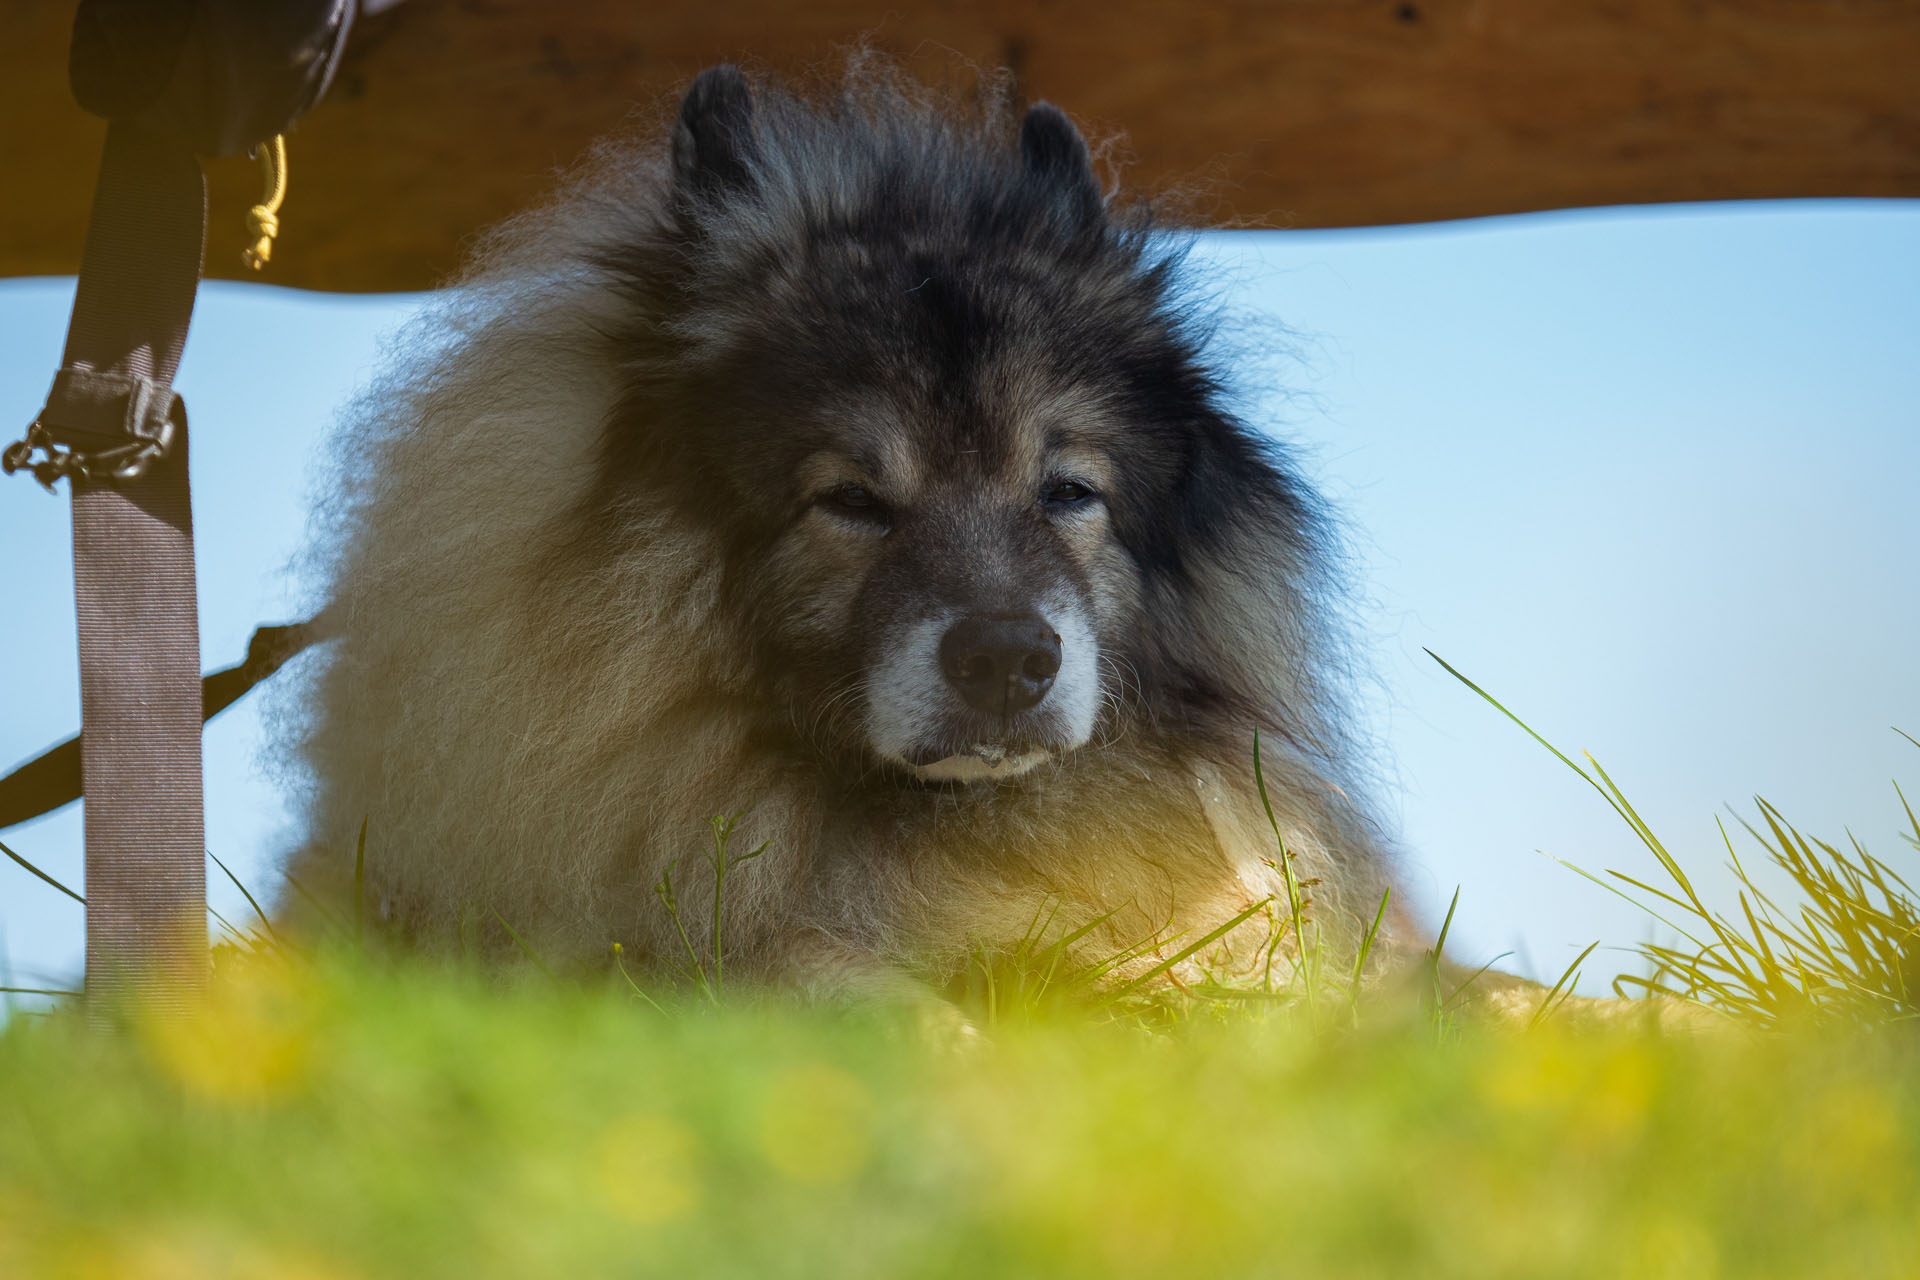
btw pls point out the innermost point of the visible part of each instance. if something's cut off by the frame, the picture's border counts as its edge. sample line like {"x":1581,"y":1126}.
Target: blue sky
{"x":1646,"y":474}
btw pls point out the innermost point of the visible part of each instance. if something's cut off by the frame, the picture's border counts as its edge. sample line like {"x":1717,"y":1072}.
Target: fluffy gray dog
{"x":853,"y":463}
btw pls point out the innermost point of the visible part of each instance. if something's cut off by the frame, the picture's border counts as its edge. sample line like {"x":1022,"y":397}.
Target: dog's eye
{"x":856,"y":502}
{"x":1066,"y":493}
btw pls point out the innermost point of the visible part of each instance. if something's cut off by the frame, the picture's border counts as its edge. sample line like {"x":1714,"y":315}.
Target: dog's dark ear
{"x":713,"y":142}
{"x":1054,"y":152}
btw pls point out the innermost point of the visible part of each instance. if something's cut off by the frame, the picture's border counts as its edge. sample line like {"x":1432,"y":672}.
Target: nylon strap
{"x":134,"y":587}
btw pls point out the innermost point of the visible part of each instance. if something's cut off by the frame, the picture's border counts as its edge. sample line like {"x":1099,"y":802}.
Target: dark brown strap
{"x":53,"y":778}
{"x":134,"y":585}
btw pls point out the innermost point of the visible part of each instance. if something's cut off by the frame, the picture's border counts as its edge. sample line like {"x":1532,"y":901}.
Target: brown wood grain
{"x":449,"y":114}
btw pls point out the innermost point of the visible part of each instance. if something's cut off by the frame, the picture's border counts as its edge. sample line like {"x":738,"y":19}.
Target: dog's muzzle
{"x":976,"y":697}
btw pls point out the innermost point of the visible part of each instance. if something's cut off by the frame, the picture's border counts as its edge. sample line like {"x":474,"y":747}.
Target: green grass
{"x":350,"y":1113}
{"x":1844,"y":950}
{"x":354,"y":1119}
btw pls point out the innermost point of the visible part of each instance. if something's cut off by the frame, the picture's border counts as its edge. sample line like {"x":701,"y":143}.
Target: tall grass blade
{"x":268,"y":924}
{"x":1912,"y":821}
{"x":360,"y":886}
{"x":620,"y":963}
{"x":1439,"y":947}
{"x":1626,"y":897}
{"x":226,"y":924}
{"x":1499,"y":706}
{"x":1295,"y":907}
{"x":1647,"y":837}
{"x":695,"y":969}
{"x":43,"y":875}
{"x":1210,"y":937}
{"x":1471,"y":978}
{"x":1360,"y":961}
{"x":526,"y":949}
{"x":722,"y":828}
{"x":1569,"y":978}
{"x":312,"y":899}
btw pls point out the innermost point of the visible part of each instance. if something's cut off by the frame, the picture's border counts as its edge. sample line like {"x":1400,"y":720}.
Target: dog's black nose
{"x":1000,"y":665}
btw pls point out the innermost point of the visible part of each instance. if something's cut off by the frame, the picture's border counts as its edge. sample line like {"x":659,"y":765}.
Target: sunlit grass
{"x":336,"y":1110}
{"x":345,"y":1117}
{"x":1845,"y":949}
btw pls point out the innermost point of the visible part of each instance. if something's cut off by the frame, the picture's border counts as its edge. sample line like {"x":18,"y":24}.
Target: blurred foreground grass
{"x":352,"y":1113}
{"x":345,"y":1117}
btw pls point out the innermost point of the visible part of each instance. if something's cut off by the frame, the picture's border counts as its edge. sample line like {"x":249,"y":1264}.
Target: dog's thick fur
{"x":659,"y":513}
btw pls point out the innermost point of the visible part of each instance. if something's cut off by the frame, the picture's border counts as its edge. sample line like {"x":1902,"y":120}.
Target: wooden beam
{"x":449,"y":114}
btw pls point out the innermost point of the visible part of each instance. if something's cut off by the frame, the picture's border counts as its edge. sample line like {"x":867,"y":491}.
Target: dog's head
{"x":943,"y":406}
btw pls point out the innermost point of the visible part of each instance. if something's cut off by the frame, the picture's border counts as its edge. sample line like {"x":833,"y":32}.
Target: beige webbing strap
{"x":134,"y":585}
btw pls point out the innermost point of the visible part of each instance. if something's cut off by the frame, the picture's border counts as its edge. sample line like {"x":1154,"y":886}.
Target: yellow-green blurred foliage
{"x":352,"y":1119}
